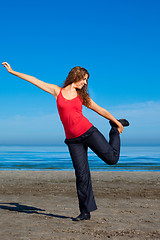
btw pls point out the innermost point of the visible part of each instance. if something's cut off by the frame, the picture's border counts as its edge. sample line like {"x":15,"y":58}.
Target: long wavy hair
{"x":75,"y":75}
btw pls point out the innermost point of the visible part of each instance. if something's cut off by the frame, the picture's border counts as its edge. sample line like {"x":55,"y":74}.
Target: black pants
{"x":108,"y":152}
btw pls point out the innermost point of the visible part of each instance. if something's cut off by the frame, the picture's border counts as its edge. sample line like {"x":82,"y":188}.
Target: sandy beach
{"x":41,"y":205}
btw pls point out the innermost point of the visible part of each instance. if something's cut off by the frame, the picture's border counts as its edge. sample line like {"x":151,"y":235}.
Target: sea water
{"x":132,"y":158}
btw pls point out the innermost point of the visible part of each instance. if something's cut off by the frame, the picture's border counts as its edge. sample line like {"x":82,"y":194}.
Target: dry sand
{"x":41,"y":205}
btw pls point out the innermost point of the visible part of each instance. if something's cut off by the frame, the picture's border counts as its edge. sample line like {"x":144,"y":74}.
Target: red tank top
{"x":70,"y":111}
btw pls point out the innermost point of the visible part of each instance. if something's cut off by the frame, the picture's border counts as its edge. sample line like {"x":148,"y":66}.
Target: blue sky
{"x":116,"y":41}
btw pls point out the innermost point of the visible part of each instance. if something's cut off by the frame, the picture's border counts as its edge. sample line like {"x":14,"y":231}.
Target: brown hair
{"x":75,"y":75}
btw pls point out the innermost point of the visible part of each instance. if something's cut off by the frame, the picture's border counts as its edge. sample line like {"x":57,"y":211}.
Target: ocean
{"x":49,"y":158}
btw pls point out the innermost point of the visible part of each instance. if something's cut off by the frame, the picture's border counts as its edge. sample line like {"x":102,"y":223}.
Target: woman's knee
{"x":110,"y":159}
{"x":113,"y":162}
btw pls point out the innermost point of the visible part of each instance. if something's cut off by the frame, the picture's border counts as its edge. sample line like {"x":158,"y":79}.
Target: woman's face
{"x":81,"y":82}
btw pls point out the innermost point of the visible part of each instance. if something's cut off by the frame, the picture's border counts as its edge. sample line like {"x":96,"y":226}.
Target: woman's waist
{"x":73,"y":129}
{"x":82,"y":137}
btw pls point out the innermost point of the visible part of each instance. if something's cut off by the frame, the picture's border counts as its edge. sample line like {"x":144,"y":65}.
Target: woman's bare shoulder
{"x":57,"y":90}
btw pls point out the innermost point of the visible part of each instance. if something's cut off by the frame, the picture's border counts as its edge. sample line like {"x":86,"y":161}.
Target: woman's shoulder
{"x":57,"y":90}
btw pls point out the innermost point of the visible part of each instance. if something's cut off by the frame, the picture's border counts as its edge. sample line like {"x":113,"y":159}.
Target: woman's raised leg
{"x":108,"y":152}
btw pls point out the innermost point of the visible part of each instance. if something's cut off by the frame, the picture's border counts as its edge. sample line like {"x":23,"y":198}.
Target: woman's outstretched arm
{"x":103,"y":112}
{"x":47,"y":87}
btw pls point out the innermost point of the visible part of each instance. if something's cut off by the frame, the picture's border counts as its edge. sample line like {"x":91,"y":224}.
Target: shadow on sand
{"x":16,"y":207}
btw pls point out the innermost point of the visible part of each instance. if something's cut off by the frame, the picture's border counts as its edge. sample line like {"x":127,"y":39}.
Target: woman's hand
{"x":120,"y":128}
{"x":9,"y":69}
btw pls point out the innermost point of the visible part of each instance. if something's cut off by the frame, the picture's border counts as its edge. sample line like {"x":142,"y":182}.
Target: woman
{"x":80,"y":132}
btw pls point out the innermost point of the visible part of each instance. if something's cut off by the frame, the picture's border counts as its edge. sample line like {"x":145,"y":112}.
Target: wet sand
{"x":41,"y":205}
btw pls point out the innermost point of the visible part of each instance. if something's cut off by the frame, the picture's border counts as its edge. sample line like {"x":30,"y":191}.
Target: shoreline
{"x":41,"y":205}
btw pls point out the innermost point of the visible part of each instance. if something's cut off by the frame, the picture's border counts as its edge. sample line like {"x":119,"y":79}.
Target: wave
{"x":58,"y":158}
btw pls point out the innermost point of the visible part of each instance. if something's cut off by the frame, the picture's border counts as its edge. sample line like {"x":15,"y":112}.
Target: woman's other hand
{"x":9,"y":69}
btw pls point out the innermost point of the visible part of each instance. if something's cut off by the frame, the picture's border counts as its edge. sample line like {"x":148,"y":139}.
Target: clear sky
{"x":118,"y":42}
